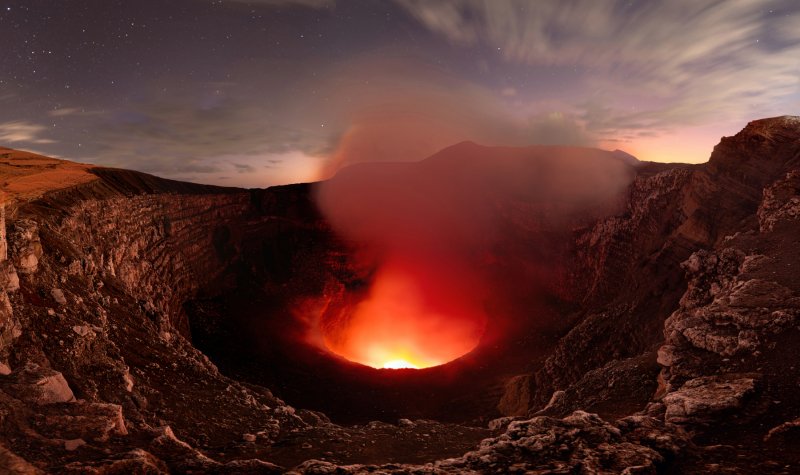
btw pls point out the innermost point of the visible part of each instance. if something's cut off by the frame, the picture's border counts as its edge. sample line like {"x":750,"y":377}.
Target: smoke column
{"x":430,"y":231}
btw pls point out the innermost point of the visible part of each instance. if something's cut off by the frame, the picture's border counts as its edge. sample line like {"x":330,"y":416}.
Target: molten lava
{"x":399,"y":364}
{"x":410,"y":319}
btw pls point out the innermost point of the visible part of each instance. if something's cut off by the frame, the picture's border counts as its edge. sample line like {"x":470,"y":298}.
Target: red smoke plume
{"x":431,"y":229}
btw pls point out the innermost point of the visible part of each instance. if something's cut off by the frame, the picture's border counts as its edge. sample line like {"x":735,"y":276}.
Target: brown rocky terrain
{"x":142,"y":321}
{"x":28,"y":175}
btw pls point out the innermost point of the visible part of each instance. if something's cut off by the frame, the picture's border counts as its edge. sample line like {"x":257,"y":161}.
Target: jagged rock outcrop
{"x":707,"y":398}
{"x":781,"y":202}
{"x":624,"y":267}
{"x":734,"y":317}
{"x":630,"y":264}
{"x":96,"y":291}
{"x":161,"y":250}
{"x":10,"y":327}
{"x":26,"y":247}
{"x":612,"y":389}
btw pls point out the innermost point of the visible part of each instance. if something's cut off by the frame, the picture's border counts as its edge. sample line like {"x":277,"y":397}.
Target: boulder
{"x":96,"y":422}
{"x":702,"y":399}
{"x":58,"y":296}
{"x":38,"y":385}
{"x":73,"y":444}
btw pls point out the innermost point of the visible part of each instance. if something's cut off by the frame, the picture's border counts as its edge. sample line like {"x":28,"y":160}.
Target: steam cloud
{"x":431,"y":230}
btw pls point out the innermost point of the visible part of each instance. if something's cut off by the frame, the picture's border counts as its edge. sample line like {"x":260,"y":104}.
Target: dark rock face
{"x":673,"y":316}
{"x":629,"y":266}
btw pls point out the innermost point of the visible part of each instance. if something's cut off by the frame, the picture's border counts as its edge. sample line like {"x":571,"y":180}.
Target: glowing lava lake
{"x":409,"y":319}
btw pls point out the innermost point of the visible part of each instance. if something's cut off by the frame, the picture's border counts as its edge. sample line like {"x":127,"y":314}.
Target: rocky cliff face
{"x":678,"y":325}
{"x":93,"y":329}
{"x":629,"y":266}
{"x":731,"y":338}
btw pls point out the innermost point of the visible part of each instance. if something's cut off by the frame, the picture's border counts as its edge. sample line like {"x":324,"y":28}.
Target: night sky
{"x":262,"y":92}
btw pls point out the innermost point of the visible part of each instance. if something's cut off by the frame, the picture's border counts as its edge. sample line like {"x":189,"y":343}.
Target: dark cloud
{"x":195,"y":134}
{"x":244,"y":168}
{"x":290,"y":3}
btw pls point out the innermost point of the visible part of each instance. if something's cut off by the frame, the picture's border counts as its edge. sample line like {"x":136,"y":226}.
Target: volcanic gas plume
{"x":429,"y":232}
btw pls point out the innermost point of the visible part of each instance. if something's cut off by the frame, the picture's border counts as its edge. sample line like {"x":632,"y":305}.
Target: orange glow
{"x":687,"y":145}
{"x":407,"y":321}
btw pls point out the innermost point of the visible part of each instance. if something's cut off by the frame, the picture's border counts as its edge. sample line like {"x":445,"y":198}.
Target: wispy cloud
{"x":653,"y":65}
{"x":72,"y":112}
{"x":23,"y":132}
